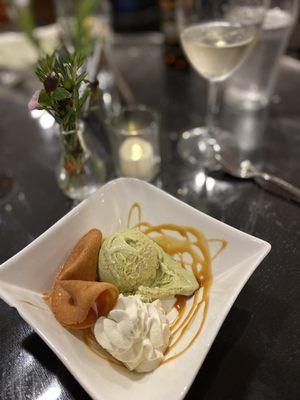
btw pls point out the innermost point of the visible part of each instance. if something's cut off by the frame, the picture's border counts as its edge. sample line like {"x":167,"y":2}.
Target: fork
{"x":246,"y":170}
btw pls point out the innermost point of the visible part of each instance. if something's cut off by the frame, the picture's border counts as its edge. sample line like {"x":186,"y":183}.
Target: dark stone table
{"x":256,"y":355}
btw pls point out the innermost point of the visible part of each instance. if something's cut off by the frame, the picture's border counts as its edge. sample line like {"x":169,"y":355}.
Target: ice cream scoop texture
{"x":137,"y":265}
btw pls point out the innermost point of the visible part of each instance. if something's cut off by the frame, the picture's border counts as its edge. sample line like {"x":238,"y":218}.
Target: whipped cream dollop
{"x":135,"y":333}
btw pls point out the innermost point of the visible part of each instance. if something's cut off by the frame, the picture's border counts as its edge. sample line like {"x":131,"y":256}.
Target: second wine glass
{"x":216,"y":37}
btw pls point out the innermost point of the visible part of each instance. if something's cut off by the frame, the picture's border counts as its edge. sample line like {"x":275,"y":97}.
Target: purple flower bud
{"x":50,"y":83}
{"x":34,"y":101}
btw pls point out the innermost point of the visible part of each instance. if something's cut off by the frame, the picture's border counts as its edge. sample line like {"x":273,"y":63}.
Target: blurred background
{"x":133,"y":16}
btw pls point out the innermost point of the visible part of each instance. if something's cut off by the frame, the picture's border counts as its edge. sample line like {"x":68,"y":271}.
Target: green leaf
{"x":81,"y":77}
{"x":60,"y":94}
{"x":83,"y":98}
{"x":44,"y":99}
{"x":67,"y":68}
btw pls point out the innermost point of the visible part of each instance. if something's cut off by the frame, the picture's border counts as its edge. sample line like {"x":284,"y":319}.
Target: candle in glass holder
{"x":137,"y":158}
{"x":134,"y":138}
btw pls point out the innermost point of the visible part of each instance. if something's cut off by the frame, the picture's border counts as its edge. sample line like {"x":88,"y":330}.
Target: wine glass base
{"x":198,"y":148}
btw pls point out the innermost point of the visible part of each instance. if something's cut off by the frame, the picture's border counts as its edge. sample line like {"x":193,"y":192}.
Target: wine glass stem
{"x":212,"y":109}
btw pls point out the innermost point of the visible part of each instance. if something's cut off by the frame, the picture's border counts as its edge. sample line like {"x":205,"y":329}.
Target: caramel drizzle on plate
{"x":191,"y":241}
{"x":222,"y":247}
{"x":30,"y":303}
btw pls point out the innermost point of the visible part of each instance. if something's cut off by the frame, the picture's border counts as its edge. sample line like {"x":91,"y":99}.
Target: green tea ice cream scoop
{"x":137,"y":265}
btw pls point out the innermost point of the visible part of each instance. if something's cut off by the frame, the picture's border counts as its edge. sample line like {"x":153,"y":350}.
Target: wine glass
{"x":216,"y":37}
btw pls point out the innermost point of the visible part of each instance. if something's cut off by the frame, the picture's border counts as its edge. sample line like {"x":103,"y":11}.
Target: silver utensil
{"x":246,"y":170}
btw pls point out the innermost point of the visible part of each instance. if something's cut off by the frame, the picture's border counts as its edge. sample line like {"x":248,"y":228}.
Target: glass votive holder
{"x":134,"y":138}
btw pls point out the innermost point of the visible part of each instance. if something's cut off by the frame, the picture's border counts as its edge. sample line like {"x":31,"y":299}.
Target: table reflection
{"x":51,"y":393}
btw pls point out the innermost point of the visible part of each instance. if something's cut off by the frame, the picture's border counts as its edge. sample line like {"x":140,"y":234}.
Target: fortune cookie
{"x":77,"y":299}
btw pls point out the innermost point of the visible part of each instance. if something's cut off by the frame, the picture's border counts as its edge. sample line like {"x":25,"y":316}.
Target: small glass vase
{"x":80,"y":172}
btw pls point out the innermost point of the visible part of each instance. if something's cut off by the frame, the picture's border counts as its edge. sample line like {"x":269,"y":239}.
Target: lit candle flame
{"x":136,"y":152}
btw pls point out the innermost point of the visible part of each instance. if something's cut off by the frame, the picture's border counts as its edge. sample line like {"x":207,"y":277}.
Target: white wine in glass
{"x":216,"y":49}
{"x":216,"y":36}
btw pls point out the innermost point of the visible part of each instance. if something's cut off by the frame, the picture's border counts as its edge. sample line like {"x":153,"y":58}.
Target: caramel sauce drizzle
{"x":194,"y":243}
{"x":46,"y":296}
{"x":223,"y":246}
{"x":134,"y":207}
{"x":33,"y":304}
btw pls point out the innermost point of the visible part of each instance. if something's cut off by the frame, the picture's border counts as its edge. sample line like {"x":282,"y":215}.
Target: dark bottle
{"x":135,"y":15}
{"x":173,"y":54}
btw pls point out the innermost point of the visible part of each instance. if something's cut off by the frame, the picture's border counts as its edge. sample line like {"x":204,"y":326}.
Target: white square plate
{"x":30,"y":273}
